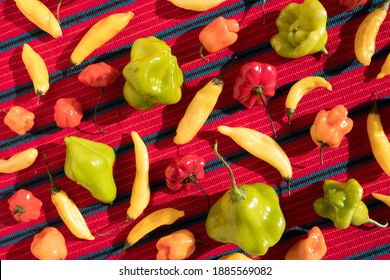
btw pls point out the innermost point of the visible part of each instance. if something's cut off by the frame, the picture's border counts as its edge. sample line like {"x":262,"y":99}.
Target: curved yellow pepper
{"x":196,"y":5}
{"x":18,"y":161}
{"x":385,"y":70}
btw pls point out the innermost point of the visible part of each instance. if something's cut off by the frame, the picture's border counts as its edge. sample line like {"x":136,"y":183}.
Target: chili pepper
{"x":19,"y":161}
{"x":381,"y":197}
{"x":302,"y":30}
{"x":217,"y":35}
{"x":36,"y":12}
{"x":385,"y":69}
{"x":330,"y":127}
{"x":90,"y":165}
{"x":379,"y":142}
{"x":199,"y":109}
{"x":100,"y":33}
{"x":352,"y":4}
{"x":99,"y":75}
{"x":311,"y":248}
{"x":261,"y":146}
{"x":179,"y":245}
{"x":68,"y":211}
{"x":153,"y":75}
{"x":68,"y":112}
{"x":36,"y":69}
{"x":160,"y":217}
{"x":19,"y":120}
{"x":184,"y":171}
{"x":49,"y":244}
{"x":196,"y":5}
{"x":365,"y":38}
{"x":255,"y":83}
{"x":24,"y":206}
{"x":300,"y":89}
{"x":342,"y":204}
{"x":248,"y":216}
{"x":235,"y":256}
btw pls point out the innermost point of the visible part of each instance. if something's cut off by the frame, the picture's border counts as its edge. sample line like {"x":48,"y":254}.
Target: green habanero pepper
{"x":248,"y":216}
{"x":153,"y":75}
{"x":90,"y":164}
{"x":342,"y":204}
{"x":302,"y":30}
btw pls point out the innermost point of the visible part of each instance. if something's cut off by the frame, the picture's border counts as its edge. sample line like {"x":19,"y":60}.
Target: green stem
{"x":259,"y":91}
{"x":192,"y":179}
{"x":113,"y":230}
{"x":53,"y":187}
{"x":95,"y":111}
{"x":58,"y":11}
{"x":375,"y":223}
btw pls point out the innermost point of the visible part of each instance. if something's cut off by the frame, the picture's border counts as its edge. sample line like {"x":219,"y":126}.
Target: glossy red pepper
{"x":185,"y":171}
{"x":24,"y":206}
{"x":68,"y":112}
{"x":99,"y":75}
{"x":19,"y":120}
{"x":352,"y":4}
{"x":254,"y":84}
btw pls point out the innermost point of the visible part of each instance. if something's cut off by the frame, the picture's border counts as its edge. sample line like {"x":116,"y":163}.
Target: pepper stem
{"x":9,"y":218}
{"x":95,"y":111}
{"x":259,"y":91}
{"x":323,"y":145}
{"x":237,"y":194}
{"x":375,"y":223}
{"x":192,"y":179}
{"x":58,"y":11}
{"x":53,"y":187}
{"x":113,"y":230}
{"x":201,"y":53}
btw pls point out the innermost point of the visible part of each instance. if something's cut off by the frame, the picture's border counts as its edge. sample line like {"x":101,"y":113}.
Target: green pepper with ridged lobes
{"x":247,"y":215}
{"x":153,"y":75}
{"x":342,"y":204}
{"x":302,"y":30}
{"x":90,"y":164}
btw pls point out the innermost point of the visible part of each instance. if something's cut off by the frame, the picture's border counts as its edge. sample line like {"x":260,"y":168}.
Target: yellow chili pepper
{"x":385,"y":70}
{"x":18,"y":161}
{"x":379,"y":142}
{"x":381,"y":197}
{"x":164,"y":216}
{"x":36,"y":12}
{"x":261,"y":146}
{"x":196,"y":5}
{"x":367,"y":32}
{"x":36,"y":69}
{"x":235,"y":256}
{"x":301,"y":88}
{"x":179,"y":245}
{"x":101,"y":32}
{"x":68,"y":211}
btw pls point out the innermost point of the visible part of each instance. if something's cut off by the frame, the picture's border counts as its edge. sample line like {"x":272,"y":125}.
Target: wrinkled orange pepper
{"x":49,"y":244}
{"x":218,"y":35}
{"x":330,"y":127}
{"x":19,"y":120}
{"x":68,"y":112}
{"x":311,"y":248}
{"x":179,"y":245}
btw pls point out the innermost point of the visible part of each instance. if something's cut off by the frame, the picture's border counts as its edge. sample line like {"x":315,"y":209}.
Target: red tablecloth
{"x":353,"y":86}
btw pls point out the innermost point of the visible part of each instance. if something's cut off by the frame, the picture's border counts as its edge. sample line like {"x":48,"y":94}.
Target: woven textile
{"x":353,"y":86}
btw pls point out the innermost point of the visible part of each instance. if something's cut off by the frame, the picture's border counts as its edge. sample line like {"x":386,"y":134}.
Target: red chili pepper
{"x":255,"y":83}
{"x":352,"y":4}
{"x":68,"y":112}
{"x":24,"y":206}
{"x":99,"y":75}
{"x":19,"y":120}
{"x":185,"y":171}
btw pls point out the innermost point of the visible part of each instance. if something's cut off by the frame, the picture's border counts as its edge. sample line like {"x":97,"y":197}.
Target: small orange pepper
{"x":311,"y":248}
{"x":68,"y":112}
{"x":218,"y":35}
{"x":19,"y":120}
{"x":49,"y":244}
{"x":179,"y":245}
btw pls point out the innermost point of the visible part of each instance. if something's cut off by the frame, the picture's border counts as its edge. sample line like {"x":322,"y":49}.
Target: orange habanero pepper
{"x":19,"y":120}
{"x":179,"y":245}
{"x":311,"y":248}
{"x":49,"y":244}
{"x":218,"y":35}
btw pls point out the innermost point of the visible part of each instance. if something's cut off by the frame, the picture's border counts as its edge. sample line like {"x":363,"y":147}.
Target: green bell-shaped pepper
{"x":248,"y":216}
{"x":153,"y":75}
{"x":90,"y":164}
{"x":302,"y":30}
{"x":342,"y":204}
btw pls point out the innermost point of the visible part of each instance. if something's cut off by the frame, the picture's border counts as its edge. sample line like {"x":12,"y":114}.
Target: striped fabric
{"x":353,"y":86}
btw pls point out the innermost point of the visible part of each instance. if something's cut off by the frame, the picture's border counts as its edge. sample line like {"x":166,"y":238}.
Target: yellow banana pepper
{"x":18,"y":161}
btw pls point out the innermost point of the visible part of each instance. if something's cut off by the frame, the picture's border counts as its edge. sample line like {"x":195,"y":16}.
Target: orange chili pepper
{"x":218,"y":35}
{"x":19,"y":120}
{"x":49,"y":244}
{"x":311,"y":248}
{"x":179,"y":245}
{"x":330,"y":127}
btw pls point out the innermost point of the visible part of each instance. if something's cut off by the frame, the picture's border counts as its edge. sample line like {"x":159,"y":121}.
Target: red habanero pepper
{"x":99,"y":75}
{"x":19,"y":120}
{"x":330,"y":127}
{"x":255,"y":83}
{"x":68,"y":112}
{"x":352,"y":4}
{"x":24,"y":206}
{"x":185,"y":171}
{"x":218,"y":35}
